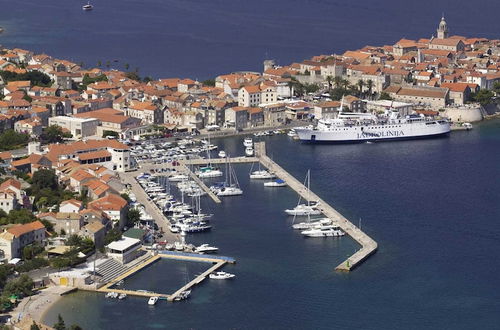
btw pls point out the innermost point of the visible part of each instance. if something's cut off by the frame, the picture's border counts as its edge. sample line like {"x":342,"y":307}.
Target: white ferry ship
{"x":361,"y":127}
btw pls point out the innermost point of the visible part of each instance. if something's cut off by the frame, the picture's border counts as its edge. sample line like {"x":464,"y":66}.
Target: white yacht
{"x":88,"y":6}
{"x":222,"y":154}
{"x":221,"y":276}
{"x":122,"y":296}
{"x":262,"y":174}
{"x":249,"y":151}
{"x":248,"y":142}
{"x":324,"y":231}
{"x":209,"y":172}
{"x":178,"y":178}
{"x":304,"y":209}
{"x":312,"y":223}
{"x":152,"y":301}
{"x":205,"y":248}
{"x":276,"y":183}
{"x":351,"y":127}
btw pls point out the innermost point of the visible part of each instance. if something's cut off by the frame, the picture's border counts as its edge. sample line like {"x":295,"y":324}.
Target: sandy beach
{"x":35,"y":307}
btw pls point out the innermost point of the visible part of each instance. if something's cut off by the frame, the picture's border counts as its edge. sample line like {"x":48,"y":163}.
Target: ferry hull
{"x":359,"y":134}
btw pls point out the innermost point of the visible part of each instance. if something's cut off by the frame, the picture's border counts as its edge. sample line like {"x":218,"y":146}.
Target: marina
{"x":217,"y":261}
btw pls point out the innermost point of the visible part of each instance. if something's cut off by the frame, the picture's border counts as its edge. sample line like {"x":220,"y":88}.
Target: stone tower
{"x":442,"y":30}
{"x":269,"y":64}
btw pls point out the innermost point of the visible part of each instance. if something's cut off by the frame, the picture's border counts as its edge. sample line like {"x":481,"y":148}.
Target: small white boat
{"x":262,"y":174}
{"x":248,"y":142}
{"x":276,"y":183}
{"x":88,"y":6}
{"x":222,"y":154}
{"x":122,"y":296}
{"x":112,"y":295}
{"x":221,"y":276}
{"x":152,"y":301}
{"x":249,"y":151}
{"x":209,"y":172}
{"x":205,"y":248}
{"x":183,"y":295}
{"x":467,"y":126}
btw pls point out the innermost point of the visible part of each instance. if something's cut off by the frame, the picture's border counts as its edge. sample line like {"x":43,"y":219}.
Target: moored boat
{"x":221,"y":276}
{"x":276,"y":183}
{"x":152,"y":301}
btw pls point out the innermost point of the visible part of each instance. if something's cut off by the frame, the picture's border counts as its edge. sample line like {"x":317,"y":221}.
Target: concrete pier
{"x":368,"y":245}
{"x":200,"y":183}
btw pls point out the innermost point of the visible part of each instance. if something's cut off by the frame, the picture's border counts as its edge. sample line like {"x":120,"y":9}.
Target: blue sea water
{"x":202,"y":39}
{"x":432,"y":206}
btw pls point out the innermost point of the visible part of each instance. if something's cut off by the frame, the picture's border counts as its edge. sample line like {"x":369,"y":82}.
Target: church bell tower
{"x":442,"y":30}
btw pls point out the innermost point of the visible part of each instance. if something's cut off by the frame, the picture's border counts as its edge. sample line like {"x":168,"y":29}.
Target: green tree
{"x":126,"y":66}
{"x":108,"y":64}
{"x":59,"y":325}
{"x":360,"y":84}
{"x":34,"y":326}
{"x":54,"y":134}
{"x":133,"y":216}
{"x":21,"y":286}
{"x":35,"y":77}
{"x":369,"y":85}
{"x":99,"y":63}
{"x":484,"y":96}
{"x":107,"y":133}
{"x":133,"y":75}
{"x":10,"y":140}
{"x":75,"y":327}
{"x":44,"y":179}
{"x":112,"y":235}
{"x":496,"y":88}
{"x":209,"y":82}
{"x":329,"y":80}
{"x":385,"y":96}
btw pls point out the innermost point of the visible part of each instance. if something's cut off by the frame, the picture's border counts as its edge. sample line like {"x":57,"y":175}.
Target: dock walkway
{"x":368,"y":245}
{"x":200,"y":183}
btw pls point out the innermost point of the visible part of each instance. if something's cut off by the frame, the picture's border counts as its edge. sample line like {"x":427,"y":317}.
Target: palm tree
{"x":99,"y":63}
{"x":127,"y":66}
{"x":345,"y":84}
{"x":291,"y":85}
{"x":337,"y":81}
{"x":329,"y":80}
{"x":108,"y":64}
{"x":369,"y":84}
{"x":361,"y":83}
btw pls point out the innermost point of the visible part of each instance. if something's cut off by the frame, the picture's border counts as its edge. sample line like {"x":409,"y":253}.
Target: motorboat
{"x":325,"y":231}
{"x":467,"y":126}
{"x":276,"y":183}
{"x":205,"y":248}
{"x":262,"y":174}
{"x":221,"y":276}
{"x":248,"y":142}
{"x":88,"y":6}
{"x":222,"y":154}
{"x":249,"y":151}
{"x":112,"y":295}
{"x":178,"y":178}
{"x":175,"y":229}
{"x":304,"y":209}
{"x":152,"y":301}
{"x":183,"y":295}
{"x":122,"y":296}
{"x":312,"y":223}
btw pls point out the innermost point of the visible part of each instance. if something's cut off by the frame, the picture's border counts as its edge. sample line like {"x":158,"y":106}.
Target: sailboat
{"x":208,"y":171}
{"x":231,"y":187}
{"x":310,"y":208}
{"x":261,"y":174}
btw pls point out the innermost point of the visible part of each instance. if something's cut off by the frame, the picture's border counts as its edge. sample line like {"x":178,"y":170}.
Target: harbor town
{"x":105,"y":174}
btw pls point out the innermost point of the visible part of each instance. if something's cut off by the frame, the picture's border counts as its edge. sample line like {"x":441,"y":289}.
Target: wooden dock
{"x":368,"y":245}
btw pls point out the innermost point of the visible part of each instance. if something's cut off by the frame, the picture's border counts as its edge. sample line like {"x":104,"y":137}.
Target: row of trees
{"x":337,"y":87}
{"x":36,"y":78}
